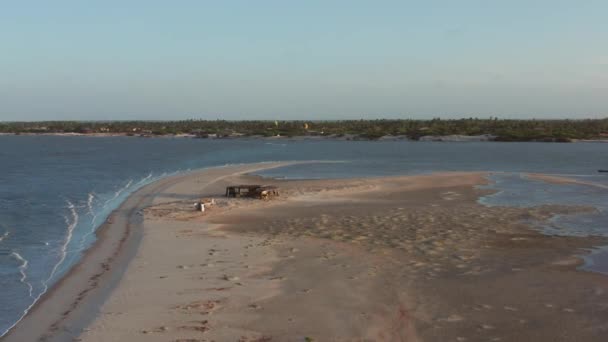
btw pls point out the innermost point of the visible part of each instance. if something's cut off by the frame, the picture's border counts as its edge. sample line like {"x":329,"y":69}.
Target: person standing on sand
{"x":200,"y":206}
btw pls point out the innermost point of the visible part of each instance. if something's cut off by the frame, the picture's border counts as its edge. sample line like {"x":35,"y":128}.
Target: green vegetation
{"x":501,"y":130}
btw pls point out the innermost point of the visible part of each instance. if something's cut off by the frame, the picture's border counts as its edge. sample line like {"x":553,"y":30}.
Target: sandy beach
{"x":411,"y":258}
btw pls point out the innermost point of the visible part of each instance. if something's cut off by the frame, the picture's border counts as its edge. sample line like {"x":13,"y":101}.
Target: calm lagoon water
{"x":55,"y":191}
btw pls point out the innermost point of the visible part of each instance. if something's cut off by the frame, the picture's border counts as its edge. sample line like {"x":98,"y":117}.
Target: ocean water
{"x":55,"y":191}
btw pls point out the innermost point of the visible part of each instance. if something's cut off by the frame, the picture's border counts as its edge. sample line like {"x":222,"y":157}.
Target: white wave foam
{"x":118,"y":192}
{"x":90,"y":199}
{"x":143,"y":180}
{"x":22,"y":269}
{"x":4,"y":236}
{"x":71,"y":224}
{"x":91,"y":212}
{"x":94,"y":215}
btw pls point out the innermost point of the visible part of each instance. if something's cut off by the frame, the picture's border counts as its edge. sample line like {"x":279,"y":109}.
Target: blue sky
{"x":302,"y":59}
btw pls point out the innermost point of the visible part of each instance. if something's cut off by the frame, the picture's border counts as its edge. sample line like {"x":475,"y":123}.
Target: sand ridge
{"x":411,"y":258}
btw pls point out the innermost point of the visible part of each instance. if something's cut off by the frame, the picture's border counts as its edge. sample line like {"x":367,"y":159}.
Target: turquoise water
{"x":55,"y":191}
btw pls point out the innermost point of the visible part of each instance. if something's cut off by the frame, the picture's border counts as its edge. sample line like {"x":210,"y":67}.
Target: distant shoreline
{"x":346,"y":137}
{"x":464,"y":129}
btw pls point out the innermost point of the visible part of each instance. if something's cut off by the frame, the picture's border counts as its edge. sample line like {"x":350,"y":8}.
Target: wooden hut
{"x":252,"y":191}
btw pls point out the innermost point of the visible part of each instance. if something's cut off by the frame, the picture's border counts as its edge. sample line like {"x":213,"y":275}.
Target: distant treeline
{"x":499,"y":129}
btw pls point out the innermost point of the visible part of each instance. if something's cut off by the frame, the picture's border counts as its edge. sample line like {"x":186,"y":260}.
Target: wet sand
{"x":411,"y":258}
{"x":74,"y":302}
{"x":563,"y":180}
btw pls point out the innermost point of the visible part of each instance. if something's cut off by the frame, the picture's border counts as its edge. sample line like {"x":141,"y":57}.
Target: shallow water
{"x":515,"y":189}
{"x":55,"y":191}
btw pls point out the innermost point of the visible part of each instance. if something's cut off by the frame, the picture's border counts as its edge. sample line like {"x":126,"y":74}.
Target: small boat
{"x":600,"y":170}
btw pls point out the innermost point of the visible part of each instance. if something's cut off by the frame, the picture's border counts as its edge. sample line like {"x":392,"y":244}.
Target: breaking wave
{"x":143,"y":180}
{"x":90,"y":199}
{"x":4,"y":236}
{"x":71,"y":221}
{"x":22,"y":269}
{"x":118,"y":192}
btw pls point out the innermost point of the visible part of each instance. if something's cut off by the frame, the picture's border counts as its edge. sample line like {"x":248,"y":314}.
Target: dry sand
{"x":389,"y":259}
